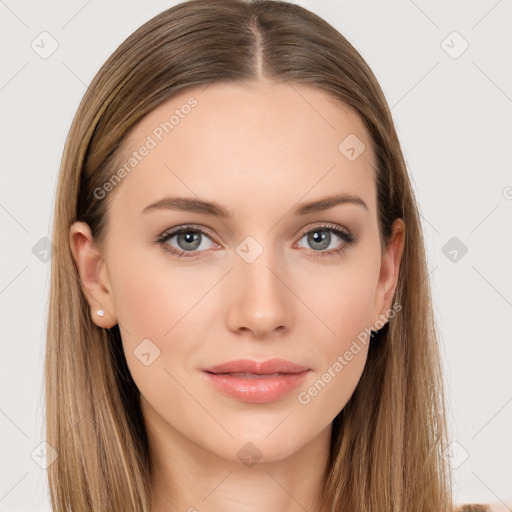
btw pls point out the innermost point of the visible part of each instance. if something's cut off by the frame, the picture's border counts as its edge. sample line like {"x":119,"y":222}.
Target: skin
{"x":258,"y":150}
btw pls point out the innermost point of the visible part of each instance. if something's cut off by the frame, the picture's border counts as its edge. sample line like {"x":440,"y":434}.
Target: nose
{"x":259,"y":298}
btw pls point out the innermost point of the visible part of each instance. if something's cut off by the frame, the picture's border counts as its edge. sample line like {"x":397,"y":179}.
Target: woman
{"x":240,"y":311}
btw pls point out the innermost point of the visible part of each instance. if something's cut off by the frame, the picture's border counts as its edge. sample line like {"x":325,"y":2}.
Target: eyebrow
{"x":213,"y":208}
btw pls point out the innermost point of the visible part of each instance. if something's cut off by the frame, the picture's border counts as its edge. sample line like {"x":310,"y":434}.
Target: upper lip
{"x":257,"y":367}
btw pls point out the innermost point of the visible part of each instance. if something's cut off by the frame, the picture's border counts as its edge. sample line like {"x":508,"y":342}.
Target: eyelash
{"x":347,"y":237}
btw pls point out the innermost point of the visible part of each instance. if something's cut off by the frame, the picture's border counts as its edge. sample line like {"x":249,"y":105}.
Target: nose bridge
{"x":260,"y":300}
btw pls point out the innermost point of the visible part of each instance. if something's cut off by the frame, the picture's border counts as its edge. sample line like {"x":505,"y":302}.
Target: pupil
{"x":320,"y":237}
{"x":189,"y":238}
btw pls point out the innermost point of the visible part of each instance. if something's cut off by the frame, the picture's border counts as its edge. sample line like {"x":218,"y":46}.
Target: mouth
{"x":252,"y":367}
{"x":252,"y":375}
{"x":256,"y":382}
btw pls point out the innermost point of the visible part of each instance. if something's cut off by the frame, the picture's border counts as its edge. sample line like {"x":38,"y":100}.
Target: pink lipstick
{"x":257,"y":382}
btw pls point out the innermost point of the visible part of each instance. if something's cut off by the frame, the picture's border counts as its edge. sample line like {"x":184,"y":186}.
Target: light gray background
{"x":453,"y":118}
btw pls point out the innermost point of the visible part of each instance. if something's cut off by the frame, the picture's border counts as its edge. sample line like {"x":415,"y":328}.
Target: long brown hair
{"x":388,"y":441}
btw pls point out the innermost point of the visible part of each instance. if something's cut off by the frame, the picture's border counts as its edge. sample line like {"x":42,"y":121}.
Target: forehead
{"x":266,"y":144}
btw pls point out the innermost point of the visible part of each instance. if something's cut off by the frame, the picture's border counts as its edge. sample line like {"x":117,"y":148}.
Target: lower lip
{"x":257,"y":390}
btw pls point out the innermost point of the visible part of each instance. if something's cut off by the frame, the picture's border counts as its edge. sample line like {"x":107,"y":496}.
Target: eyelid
{"x":326,"y":225}
{"x":340,"y":231}
{"x":169,"y":233}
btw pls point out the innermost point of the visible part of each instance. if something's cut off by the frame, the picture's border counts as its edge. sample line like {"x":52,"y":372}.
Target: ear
{"x":93,"y":273}
{"x":389,"y":272}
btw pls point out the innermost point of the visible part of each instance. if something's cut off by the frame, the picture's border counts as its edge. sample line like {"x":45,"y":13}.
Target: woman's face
{"x":270,"y":279}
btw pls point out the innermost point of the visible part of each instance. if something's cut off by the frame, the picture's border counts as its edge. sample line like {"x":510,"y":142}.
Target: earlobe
{"x":389,"y":273}
{"x":93,"y":275}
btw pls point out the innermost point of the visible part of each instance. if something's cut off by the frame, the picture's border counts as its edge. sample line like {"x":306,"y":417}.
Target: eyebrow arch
{"x":217,"y":210}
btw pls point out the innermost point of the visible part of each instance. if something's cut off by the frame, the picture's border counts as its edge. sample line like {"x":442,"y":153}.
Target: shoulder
{"x":474,"y":507}
{"x":481,"y":507}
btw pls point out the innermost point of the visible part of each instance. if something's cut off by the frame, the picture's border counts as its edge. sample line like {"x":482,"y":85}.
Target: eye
{"x":321,"y":238}
{"x":188,"y":239}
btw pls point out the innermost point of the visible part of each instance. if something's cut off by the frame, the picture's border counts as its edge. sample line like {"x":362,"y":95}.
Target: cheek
{"x":148,"y":306}
{"x":342,"y":302}
{"x":341,"y":298}
{"x":154,"y":295}
{"x":159,"y":310}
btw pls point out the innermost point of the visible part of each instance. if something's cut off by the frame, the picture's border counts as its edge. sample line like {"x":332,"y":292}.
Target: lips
{"x":251,"y":368}
{"x":256,"y":382}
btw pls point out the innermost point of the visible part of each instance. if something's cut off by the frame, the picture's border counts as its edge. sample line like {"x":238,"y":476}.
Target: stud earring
{"x":100,"y":312}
